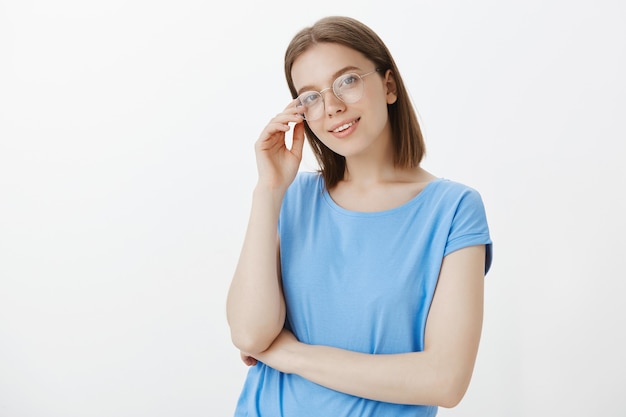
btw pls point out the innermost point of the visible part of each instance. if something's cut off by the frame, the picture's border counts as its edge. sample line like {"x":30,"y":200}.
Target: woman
{"x":359,"y":289}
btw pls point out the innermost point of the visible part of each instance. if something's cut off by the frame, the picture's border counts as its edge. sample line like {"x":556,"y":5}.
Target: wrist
{"x":270,"y":189}
{"x":297,"y":357}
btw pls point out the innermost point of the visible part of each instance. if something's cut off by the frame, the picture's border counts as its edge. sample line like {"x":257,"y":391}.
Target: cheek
{"x":379,"y":114}
{"x":323,"y":136}
{"x":317,"y":128}
{"x":376,"y":103}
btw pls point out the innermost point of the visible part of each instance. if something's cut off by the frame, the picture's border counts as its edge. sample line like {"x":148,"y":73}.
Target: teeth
{"x":344,"y":127}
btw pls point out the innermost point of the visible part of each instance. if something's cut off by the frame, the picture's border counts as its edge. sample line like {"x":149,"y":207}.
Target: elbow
{"x":452,"y":389}
{"x":250,"y":342}
{"x":250,"y":346}
{"x":451,"y":400}
{"x":253,"y":336}
{"x":444,"y":388}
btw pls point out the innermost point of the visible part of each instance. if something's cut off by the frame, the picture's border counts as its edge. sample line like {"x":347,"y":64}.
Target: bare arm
{"x":255,"y":306}
{"x":439,"y":375}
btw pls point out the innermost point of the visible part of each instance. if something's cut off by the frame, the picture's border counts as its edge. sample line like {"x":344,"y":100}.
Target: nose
{"x":332,"y":104}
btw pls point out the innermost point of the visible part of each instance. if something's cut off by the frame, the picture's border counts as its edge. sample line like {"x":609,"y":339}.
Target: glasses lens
{"x":349,"y":88}
{"x":311,"y":105}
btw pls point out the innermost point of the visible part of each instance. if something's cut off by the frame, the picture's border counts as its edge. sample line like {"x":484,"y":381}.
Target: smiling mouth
{"x":345,"y":126}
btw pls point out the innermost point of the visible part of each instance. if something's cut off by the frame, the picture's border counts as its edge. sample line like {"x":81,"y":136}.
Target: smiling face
{"x":349,"y":129}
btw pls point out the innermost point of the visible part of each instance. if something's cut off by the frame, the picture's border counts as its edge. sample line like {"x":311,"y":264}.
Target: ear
{"x":392,"y":88}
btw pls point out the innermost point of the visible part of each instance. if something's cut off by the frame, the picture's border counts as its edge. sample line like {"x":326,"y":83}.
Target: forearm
{"x":406,"y":378}
{"x":255,"y":304}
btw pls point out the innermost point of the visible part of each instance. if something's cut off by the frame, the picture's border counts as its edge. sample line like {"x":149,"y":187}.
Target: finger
{"x":279,"y":125}
{"x":272,"y":135}
{"x":293,"y":104}
{"x":298,"y":140}
{"x":276,"y":127}
{"x":248,"y":360}
{"x":289,"y":116}
{"x":293,"y":109}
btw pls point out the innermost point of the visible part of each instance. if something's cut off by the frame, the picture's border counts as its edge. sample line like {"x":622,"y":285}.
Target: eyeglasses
{"x":347,"y":88}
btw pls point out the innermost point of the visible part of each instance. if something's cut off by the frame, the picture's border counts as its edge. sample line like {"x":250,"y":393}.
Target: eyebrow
{"x":334,"y":76}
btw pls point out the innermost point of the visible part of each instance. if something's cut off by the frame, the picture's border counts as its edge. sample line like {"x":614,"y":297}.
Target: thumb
{"x":298,"y":140}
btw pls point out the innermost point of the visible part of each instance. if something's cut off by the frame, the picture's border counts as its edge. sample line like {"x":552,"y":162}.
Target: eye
{"x":309,"y":98}
{"x":347,"y":81}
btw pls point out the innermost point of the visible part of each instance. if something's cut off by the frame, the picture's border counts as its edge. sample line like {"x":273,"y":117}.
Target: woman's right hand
{"x":276,"y":163}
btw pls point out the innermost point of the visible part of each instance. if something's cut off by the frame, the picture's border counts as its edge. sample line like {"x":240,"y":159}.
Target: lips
{"x":342,"y":126}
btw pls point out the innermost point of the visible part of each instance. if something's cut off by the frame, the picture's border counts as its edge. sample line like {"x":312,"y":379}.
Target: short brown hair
{"x":407,"y":139}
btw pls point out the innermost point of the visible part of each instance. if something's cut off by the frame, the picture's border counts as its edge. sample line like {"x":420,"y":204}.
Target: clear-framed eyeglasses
{"x":347,"y":88}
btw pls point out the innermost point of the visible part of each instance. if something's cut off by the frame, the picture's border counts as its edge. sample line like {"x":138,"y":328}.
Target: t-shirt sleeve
{"x":469,"y":226}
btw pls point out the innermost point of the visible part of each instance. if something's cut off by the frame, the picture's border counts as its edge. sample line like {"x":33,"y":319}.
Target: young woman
{"x":359,"y":289}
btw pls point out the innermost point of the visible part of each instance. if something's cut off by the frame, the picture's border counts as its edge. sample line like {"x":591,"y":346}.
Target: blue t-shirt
{"x":361,"y":281}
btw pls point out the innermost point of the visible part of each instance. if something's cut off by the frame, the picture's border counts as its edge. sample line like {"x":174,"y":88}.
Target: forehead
{"x":318,"y":64}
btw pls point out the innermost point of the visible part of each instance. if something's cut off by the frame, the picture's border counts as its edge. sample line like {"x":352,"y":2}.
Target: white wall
{"x":126,"y":165}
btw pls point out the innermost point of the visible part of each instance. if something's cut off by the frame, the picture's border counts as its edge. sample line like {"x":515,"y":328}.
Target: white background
{"x":126,"y":166}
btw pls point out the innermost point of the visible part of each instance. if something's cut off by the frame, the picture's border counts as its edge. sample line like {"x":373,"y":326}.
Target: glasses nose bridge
{"x":335,"y":97}
{"x":323,"y":93}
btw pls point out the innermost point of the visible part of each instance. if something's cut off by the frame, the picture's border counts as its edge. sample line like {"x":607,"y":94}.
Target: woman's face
{"x":349,"y":129}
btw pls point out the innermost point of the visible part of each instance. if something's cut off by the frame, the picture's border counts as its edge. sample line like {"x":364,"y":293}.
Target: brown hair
{"x":408,"y":143}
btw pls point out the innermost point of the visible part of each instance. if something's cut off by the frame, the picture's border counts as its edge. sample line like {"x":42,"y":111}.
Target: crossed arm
{"x":439,"y":375}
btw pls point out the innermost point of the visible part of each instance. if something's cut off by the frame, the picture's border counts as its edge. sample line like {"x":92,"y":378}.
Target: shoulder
{"x":305,"y":182}
{"x":461,"y":208}
{"x":450,"y":186}
{"x":304,"y":187}
{"x":307,"y":179}
{"x":468,"y":220}
{"x":451,"y":192}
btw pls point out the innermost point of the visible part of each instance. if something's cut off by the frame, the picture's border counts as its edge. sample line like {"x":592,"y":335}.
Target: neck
{"x":373,"y":166}
{"x":378,"y":168}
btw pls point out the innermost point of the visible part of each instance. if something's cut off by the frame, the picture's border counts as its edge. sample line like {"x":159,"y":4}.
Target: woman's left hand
{"x":281,"y":352}
{"x":247,"y":359}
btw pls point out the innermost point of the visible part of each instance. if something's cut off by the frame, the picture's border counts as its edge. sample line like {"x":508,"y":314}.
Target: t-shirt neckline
{"x":413,"y":201}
